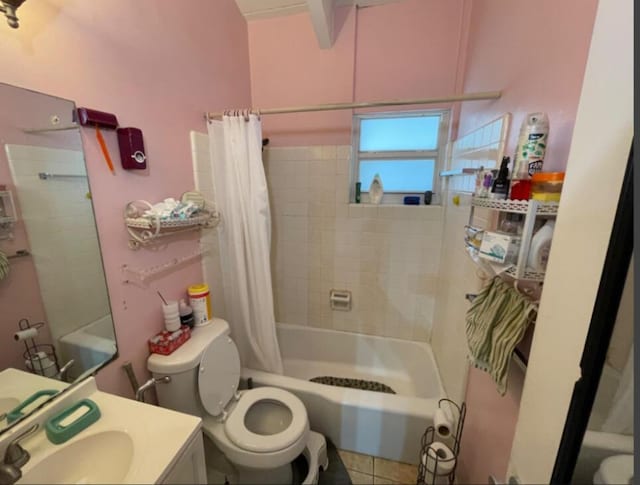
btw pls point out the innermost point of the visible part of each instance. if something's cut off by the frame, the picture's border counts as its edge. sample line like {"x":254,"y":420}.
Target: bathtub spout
{"x":64,"y":370}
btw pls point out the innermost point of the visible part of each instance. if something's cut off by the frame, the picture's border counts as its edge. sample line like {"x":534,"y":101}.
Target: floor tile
{"x":382,"y":481}
{"x":394,"y":471}
{"x":357,"y":462}
{"x":358,"y":478}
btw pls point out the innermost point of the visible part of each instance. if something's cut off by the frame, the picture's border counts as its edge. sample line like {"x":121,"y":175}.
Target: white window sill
{"x":422,"y":206}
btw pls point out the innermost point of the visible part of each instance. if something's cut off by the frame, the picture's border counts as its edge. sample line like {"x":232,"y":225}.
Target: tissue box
{"x":500,"y":248}
{"x":166,"y":342}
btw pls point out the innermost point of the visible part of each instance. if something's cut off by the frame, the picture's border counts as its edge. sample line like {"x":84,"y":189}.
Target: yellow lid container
{"x":200,"y":299}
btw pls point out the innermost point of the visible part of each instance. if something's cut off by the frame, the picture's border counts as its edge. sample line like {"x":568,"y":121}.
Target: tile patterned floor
{"x":365,"y":469}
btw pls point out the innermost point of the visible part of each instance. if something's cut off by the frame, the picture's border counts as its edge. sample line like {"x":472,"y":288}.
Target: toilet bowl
{"x":617,"y":469}
{"x":260,"y":431}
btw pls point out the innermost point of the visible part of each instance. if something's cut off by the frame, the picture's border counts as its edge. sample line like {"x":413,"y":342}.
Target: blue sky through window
{"x":399,"y":134}
{"x":399,"y":175}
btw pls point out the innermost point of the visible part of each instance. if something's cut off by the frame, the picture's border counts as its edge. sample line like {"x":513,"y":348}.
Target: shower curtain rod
{"x":339,"y":106}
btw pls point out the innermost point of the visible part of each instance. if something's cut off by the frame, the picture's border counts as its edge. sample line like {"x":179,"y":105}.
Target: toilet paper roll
{"x":25,"y":334}
{"x":446,"y":460}
{"x":443,"y":424}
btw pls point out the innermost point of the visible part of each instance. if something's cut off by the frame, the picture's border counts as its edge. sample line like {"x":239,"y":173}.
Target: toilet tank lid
{"x":187,"y":356}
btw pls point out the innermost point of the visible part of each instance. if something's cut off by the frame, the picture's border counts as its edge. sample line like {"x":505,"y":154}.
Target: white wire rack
{"x":147,"y":229}
{"x":531,"y":209}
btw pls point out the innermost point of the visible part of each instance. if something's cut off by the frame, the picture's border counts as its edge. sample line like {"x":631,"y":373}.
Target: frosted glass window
{"x":398,"y":175}
{"x":399,"y":134}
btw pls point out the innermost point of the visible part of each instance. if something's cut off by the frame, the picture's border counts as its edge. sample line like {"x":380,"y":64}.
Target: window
{"x":406,"y":149}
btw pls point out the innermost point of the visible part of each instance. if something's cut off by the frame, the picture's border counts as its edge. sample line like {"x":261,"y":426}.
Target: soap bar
{"x":65,"y":425}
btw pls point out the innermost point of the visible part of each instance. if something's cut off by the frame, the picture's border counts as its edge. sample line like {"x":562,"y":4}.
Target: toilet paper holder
{"x":438,"y":461}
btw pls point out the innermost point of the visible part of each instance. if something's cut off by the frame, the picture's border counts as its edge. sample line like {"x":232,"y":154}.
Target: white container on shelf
{"x":540,"y":247}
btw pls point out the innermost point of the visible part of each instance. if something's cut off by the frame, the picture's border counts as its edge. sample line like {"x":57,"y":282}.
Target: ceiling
{"x":259,"y":9}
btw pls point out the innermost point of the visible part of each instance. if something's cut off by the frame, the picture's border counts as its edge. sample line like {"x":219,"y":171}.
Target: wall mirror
{"x":55,"y":319}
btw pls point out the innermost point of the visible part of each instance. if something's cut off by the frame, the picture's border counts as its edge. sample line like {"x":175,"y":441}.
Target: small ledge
{"x":423,"y":206}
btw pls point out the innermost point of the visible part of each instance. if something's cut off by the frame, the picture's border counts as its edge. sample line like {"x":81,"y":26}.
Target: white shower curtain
{"x":245,"y":238}
{"x":620,"y":417}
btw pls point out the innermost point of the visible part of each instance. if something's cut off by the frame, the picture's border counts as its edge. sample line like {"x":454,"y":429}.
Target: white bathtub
{"x":374,"y":423}
{"x":89,"y":346}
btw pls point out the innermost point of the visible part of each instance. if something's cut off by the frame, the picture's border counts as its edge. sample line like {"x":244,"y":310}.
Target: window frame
{"x":439,"y":153}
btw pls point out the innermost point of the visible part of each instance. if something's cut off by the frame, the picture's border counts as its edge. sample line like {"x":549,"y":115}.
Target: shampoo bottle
{"x":375,"y":190}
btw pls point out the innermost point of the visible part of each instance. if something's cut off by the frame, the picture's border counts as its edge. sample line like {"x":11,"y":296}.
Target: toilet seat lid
{"x":219,"y":374}
{"x":236,"y":429}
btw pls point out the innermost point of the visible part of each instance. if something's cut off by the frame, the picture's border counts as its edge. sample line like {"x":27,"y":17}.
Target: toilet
{"x":617,"y":469}
{"x":259,"y":432}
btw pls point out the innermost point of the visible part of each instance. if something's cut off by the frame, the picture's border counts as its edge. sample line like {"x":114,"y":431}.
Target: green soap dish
{"x":58,"y":433}
{"x":17,"y":412}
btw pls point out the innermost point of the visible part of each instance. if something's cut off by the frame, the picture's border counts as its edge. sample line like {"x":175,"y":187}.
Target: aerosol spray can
{"x":530,"y":152}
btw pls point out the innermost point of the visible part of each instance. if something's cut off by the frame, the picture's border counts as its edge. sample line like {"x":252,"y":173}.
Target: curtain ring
{"x":246,"y":115}
{"x":259,"y":114}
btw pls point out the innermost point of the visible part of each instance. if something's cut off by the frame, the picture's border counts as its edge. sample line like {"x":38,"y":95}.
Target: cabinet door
{"x":190,"y":467}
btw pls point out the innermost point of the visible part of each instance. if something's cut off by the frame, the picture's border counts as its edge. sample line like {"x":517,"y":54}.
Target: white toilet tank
{"x":181,"y":394}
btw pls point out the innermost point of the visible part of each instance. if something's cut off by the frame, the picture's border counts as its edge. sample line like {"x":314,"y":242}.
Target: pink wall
{"x":539,"y":69}
{"x":158,"y":68}
{"x":401,"y":50}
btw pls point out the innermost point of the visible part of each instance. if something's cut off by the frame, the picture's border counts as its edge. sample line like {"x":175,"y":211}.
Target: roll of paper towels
{"x":442,"y":424}
{"x":25,"y":334}
{"x":446,"y":460}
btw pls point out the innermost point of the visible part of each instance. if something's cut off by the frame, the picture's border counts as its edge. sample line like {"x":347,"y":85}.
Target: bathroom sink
{"x":7,"y":404}
{"x":104,"y":457}
{"x":126,"y":445}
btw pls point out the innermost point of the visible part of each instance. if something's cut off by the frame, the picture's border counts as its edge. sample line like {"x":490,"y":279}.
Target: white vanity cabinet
{"x":190,"y":466}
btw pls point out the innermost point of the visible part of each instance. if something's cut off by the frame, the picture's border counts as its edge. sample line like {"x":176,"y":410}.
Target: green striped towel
{"x":496,"y":322}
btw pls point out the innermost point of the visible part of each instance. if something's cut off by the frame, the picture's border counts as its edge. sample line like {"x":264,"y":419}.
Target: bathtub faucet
{"x":64,"y":370}
{"x":150,"y":383}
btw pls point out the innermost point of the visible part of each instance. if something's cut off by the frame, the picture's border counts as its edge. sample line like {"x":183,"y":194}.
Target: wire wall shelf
{"x":144,"y":230}
{"x":515,"y":206}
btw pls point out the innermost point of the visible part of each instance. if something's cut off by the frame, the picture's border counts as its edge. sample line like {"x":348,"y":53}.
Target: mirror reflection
{"x":606,"y":455}
{"x":55,"y":318}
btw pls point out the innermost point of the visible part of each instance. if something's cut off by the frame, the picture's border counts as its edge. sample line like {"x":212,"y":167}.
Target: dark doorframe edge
{"x":603,"y":318}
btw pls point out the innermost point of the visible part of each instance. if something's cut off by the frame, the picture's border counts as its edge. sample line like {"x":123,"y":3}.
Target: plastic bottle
{"x":529,"y":157}
{"x":500,"y":187}
{"x":540,"y":247}
{"x":201,"y":303}
{"x":376,"y":190}
{"x":186,"y":314}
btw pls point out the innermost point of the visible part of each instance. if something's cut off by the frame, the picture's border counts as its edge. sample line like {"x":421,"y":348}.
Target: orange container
{"x":547,"y":186}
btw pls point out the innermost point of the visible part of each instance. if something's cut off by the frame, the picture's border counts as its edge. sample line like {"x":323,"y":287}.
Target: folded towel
{"x":496,"y":322}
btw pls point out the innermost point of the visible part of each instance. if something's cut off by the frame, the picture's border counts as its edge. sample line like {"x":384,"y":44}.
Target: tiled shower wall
{"x":58,"y":217}
{"x":387,"y":256}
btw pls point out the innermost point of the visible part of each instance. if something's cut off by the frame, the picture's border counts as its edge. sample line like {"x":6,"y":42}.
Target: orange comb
{"x":105,"y":152}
